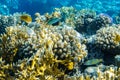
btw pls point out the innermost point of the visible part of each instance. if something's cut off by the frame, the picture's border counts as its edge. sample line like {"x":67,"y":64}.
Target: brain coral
{"x":108,"y":39}
{"x":48,"y":51}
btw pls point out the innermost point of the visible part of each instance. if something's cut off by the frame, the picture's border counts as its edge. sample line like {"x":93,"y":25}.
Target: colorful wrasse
{"x":93,"y":62}
{"x":53,"y":21}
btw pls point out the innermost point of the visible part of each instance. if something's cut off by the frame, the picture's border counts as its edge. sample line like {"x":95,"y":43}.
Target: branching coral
{"x":49,"y":51}
{"x":84,"y":21}
{"x":12,"y":20}
{"x":60,"y":15}
{"x":15,"y":39}
{"x":109,"y":74}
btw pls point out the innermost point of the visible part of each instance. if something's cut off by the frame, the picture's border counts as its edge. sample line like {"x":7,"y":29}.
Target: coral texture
{"x":67,"y":44}
{"x":49,"y":51}
{"x":108,"y":39}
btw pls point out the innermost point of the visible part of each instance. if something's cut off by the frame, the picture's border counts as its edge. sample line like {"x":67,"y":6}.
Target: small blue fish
{"x":93,"y":62}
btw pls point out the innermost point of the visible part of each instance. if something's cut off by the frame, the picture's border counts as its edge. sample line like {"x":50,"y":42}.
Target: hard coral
{"x":110,"y":73}
{"x":108,"y":39}
{"x":83,"y":20}
{"x":50,"y":51}
{"x":12,"y":42}
{"x":87,"y":21}
{"x":12,"y":20}
{"x":6,"y":21}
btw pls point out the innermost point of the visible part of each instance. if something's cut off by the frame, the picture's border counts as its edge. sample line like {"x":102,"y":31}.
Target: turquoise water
{"x":31,"y":6}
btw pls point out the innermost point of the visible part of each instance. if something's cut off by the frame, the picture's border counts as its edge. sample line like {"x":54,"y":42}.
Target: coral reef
{"x":49,"y":51}
{"x":13,"y":20}
{"x":88,"y":22}
{"x":64,"y":15}
{"x":108,"y":39}
{"x":83,"y":19}
{"x":64,"y":45}
{"x":110,"y":73}
{"x":6,"y":21}
{"x":15,"y":40}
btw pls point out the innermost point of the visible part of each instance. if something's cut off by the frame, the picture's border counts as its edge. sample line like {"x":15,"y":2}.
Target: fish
{"x":93,"y":62}
{"x":26,"y":18}
{"x":53,"y":21}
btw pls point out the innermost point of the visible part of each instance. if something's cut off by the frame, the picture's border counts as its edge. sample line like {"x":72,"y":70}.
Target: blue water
{"x":31,"y":6}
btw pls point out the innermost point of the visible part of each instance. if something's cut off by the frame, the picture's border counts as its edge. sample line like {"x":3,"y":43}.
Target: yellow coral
{"x":41,"y":70}
{"x":70,"y":65}
{"x":117,"y":39}
{"x":15,"y":51}
{"x":49,"y":43}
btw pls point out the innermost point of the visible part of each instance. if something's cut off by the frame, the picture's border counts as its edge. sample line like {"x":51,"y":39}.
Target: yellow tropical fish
{"x":26,"y":18}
